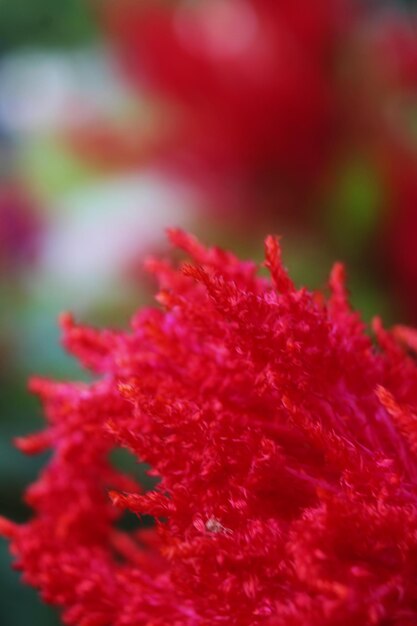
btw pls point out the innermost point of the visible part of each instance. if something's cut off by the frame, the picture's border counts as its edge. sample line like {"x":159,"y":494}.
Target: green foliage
{"x":354,"y":209}
{"x":44,"y":22}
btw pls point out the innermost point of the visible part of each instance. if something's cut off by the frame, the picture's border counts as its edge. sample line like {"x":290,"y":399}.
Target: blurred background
{"x":230,"y":118}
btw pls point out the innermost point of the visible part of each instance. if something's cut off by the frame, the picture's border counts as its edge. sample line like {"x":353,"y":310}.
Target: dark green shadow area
{"x":45,"y":23}
{"x":20,"y":605}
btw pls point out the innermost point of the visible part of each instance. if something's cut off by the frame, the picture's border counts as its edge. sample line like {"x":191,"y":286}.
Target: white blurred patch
{"x":96,"y":232}
{"x":44,"y":91}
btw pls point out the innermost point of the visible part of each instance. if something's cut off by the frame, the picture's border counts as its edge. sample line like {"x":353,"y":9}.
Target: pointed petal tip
{"x":32,"y":444}
{"x":273,"y":262}
{"x":8,"y":529}
{"x":66,"y":320}
{"x":338,"y":275}
{"x":406,"y":336}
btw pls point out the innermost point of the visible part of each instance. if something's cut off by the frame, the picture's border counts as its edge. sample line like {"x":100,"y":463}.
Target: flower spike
{"x":284,"y":445}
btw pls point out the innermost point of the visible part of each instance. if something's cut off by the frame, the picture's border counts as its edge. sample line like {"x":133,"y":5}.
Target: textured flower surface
{"x":284,"y":440}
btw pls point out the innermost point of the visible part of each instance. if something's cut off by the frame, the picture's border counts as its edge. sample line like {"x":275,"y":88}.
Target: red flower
{"x":285,"y":443}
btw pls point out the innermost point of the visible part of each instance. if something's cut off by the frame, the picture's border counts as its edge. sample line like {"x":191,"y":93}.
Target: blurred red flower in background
{"x":269,"y":105}
{"x":252,"y":83}
{"x":284,"y":441}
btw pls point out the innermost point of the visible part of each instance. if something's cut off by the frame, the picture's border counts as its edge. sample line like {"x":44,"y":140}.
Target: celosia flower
{"x":284,"y":441}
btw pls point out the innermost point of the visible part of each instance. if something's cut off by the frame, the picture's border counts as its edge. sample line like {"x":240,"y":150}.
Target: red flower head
{"x":285,"y":442}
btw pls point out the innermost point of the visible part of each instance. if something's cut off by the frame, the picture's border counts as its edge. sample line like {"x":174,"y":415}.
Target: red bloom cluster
{"x":285,"y":443}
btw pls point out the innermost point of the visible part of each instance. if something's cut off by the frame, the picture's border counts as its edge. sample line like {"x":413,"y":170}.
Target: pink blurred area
{"x":20,"y":228}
